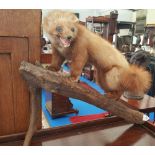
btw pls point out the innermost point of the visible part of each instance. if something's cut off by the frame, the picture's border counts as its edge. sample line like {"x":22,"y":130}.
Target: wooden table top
{"x":116,"y":134}
{"x":112,"y":131}
{"x":123,"y":135}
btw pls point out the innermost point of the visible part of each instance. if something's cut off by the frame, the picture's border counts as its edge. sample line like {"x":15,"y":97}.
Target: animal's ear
{"x":73,"y":18}
{"x":47,"y":22}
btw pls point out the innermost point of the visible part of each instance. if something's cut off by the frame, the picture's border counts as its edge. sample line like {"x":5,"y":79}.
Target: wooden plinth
{"x":60,"y":106}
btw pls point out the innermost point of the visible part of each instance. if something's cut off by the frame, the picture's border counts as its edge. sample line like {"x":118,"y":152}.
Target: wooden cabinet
{"x":20,"y":33}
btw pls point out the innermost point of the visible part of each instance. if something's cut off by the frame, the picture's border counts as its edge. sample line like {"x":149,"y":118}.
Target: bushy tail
{"x":136,"y":79}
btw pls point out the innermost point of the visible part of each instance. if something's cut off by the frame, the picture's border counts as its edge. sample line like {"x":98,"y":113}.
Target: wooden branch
{"x":38,"y":77}
{"x":54,"y":82}
{"x":35,"y":106}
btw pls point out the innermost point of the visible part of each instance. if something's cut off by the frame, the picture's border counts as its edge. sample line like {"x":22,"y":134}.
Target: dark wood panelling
{"x":14,"y":93}
{"x":23,"y":23}
{"x":17,"y":22}
{"x":20,"y":33}
{"x":7,"y":123}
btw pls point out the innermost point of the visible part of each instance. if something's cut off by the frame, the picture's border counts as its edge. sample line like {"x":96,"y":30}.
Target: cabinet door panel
{"x":6,"y":95}
{"x":20,"y":33}
{"x":14,"y":97}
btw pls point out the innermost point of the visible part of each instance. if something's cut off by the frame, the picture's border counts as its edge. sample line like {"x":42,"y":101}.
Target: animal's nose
{"x":69,"y":37}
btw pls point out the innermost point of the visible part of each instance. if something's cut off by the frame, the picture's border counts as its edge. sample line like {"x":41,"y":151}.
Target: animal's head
{"x":61,"y":27}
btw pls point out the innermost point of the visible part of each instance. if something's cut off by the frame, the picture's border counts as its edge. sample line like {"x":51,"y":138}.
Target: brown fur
{"x":114,"y":74}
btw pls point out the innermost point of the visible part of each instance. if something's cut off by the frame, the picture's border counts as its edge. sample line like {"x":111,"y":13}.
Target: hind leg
{"x":112,"y":79}
{"x":110,"y":82}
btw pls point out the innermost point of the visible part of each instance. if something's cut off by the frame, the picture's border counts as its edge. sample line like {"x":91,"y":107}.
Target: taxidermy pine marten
{"x":73,"y":41}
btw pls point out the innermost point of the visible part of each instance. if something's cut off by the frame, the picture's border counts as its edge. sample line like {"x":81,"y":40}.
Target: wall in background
{"x":123,"y":14}
{"x":150,"y":18}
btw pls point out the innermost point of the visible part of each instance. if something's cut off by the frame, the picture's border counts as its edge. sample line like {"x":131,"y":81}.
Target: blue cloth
{"x":83,"y":107}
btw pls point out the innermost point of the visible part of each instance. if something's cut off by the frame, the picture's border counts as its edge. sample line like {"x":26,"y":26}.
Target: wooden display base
{"x":60,"y":106}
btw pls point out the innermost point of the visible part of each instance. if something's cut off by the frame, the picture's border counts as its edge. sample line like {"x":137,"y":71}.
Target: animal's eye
{"x":59,"y":29}
{"x":72,"y":29}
